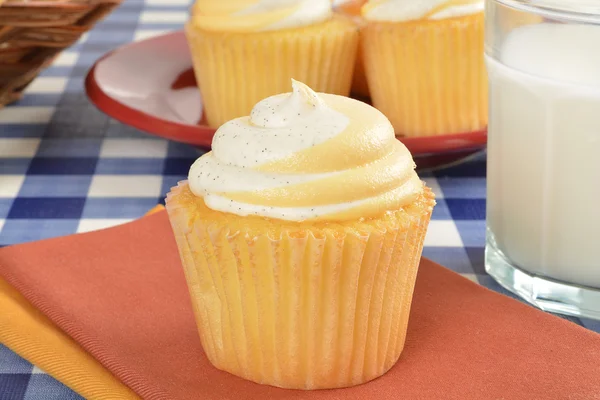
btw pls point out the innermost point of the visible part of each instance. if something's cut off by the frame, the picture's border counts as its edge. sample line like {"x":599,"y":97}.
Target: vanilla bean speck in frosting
{"x":259,"y":15}
{"x":307,"y":156}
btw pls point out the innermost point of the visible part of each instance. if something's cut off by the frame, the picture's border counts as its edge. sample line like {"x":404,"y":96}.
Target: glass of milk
{"x":543,"y":200}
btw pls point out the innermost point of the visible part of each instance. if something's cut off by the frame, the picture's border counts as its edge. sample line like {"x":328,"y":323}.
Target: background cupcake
{"x":246,"y":50}
{"x":425,"y":66}
{"x":300,"y":236}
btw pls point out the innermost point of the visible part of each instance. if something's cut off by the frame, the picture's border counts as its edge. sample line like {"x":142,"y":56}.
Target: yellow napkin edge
{"x":31,"y":335}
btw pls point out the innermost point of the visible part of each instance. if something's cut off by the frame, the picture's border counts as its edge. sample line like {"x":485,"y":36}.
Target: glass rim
{"x":584,"y":11}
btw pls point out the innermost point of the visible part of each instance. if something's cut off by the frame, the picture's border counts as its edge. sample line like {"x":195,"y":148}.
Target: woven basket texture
{"x":33,"y":33}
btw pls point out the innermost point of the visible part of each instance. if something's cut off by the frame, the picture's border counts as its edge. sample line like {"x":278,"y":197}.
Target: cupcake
{"x":352,"y":9}
{"x":425,"y":66}
{"x":300,"y":236}
{"x":246,"y":50}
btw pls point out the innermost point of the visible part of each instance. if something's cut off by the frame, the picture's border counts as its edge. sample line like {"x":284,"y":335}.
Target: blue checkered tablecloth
{"x":65,"y":167}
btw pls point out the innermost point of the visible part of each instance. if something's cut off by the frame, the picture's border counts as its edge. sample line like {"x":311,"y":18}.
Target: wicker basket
{"x":33,"y":33}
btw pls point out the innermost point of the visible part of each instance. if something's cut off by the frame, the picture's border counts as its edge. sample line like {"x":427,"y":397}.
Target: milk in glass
{"x":544,"y":151}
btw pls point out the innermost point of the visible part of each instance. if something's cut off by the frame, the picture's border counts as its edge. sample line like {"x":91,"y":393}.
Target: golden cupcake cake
{"x":247,"y":50}
{"x":300,"y":234}
{"x":425,"y":66}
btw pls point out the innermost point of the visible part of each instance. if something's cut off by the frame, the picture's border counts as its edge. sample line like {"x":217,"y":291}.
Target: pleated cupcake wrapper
{"x":305,"y":310}
{"x":237,"y":70}
{"x":428,"y":77}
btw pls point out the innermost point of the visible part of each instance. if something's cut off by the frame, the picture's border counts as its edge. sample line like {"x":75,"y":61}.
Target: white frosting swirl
{"x":304,"y":155}
{"x":259,"y":15}
{"x":308,"y":12}
{"x":277,"y":127}
{"x":407,"y":10}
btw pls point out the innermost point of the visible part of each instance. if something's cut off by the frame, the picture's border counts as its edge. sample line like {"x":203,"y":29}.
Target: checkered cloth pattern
{"x":65,"y":167}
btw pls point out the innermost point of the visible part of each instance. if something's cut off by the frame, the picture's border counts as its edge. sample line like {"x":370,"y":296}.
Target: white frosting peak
{"x":287,"y":110}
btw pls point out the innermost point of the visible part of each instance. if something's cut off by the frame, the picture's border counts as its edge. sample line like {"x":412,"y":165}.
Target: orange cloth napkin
{"x":30,"y":334}
{"x":120,"y":293}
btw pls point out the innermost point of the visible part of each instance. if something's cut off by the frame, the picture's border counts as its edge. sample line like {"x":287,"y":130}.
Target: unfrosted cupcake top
{"x":406,"y":10}
{"x":259,"y":15}
{"x":307,"y":156}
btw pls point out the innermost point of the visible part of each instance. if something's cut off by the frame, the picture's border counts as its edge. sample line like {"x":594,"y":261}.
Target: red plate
{"x":150,"y":85}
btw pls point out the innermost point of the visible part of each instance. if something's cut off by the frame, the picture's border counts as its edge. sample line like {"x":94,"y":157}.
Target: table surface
{"x":65,"y":167}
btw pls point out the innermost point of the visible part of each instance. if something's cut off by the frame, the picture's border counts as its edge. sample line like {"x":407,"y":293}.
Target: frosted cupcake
{"x":425,"y":66}
{"x":300,"y":236}
{"x":246,"y":50}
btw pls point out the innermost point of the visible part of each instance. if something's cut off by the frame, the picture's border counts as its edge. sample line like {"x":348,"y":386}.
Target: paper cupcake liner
{"x":303,"y":306}
{"x":236,"y":70}
{"x":428,"y":77}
